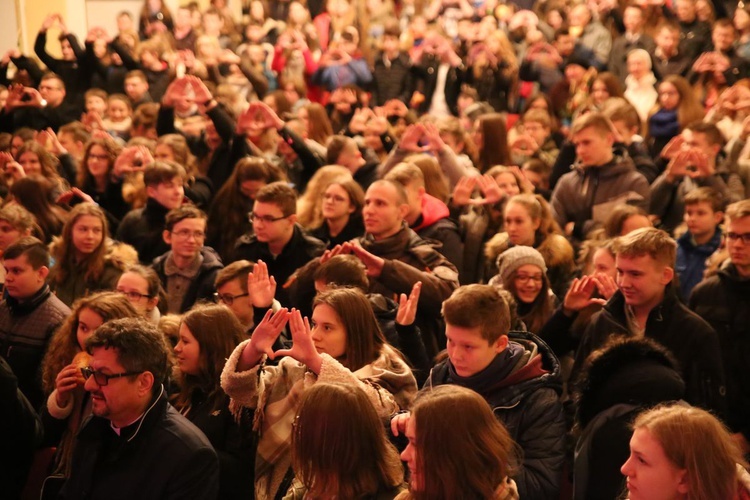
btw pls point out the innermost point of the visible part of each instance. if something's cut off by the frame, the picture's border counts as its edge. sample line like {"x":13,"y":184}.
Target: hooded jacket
{"x":724,"y":301}
{"x":579,"y":192}
{"x":434,"y":224}
{"x":523,"y":390}
{"x":691,"y":340}
{"x":628,"y":376}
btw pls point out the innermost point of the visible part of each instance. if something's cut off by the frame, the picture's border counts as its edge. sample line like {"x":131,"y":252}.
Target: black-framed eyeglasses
{"x":102,"y":379}
{"x":266,"y":219}
{"x":134,"y":295}
{"x":228,"y":298}
{"x":745,"y":237}
{"x":184,"y":234}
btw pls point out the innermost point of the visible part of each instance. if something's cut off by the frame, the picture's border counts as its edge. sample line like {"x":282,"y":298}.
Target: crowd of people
{"x":399,"y":249}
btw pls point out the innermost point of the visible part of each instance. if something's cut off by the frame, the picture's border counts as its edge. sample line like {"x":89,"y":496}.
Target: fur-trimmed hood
{"x":627,"y":370}
{"x":119,"y":255}
{"x":555,"y":249}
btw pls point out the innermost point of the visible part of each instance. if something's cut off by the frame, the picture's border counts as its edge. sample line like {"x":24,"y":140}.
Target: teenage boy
{"x":601,"y":179}
{"x":518,"y":375}
{"x":724,"y":301}
{"x":277,"y":239}
{"x":29,"y":313}
{"x":392,"y":76}
{"x":694,"y":161}
{"x":187,"y":271}
{"x":646,"y":304}
{"x":704,"y":211}
{"x":142,"y":228}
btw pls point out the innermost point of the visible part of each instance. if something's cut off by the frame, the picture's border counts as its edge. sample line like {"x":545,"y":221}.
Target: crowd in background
{"x":236,"y":248}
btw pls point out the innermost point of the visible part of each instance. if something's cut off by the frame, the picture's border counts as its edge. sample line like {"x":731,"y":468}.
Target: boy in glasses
{"x":724,"y":301}
{"x":187,"y":271}
{"x":277,"y":239}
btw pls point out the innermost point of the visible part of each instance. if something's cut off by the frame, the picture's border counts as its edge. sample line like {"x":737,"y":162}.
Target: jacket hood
{"x":627,"y":371}
{"x":211,"y":259}
{"x":432,"y":211}
{"x":555,"y":249}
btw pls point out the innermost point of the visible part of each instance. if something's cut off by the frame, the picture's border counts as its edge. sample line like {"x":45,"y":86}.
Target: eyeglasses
{"x":184,"y":234}
{"x":745,"y":237}
{"x":266,"y":219}
{"x":334,"y":197}
{"x":228,"y":298}
{"x":523,"y":278}
{"x":134,"y":295}
{"x":102,"y":379}
{"x":98,"y":157}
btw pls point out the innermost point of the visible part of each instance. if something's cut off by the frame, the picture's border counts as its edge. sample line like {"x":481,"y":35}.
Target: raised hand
{"x":411,"y":137}
{"x":75,"y":192}
{"x":407,"y":306}
{"x":673,"y":147}
{"x":372,"y":262}
{"x":432,"y":134}
{"x":329,"y":254}
{"x":303,"y":347}
{"x":261,"y":286}
{"x":606,"y":285}
{"x":202,"y":94}
{"x":463,"y":190}
{"x":263,"y":338}
{"x":174,"y":92}
{"x":580,"y":295}
{"x":491,"y":191}
{"x":14,"y":170}
{"x":267,"y":116}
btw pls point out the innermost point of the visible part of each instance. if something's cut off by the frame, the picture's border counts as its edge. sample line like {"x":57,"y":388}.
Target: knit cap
{"x":518,"y":256}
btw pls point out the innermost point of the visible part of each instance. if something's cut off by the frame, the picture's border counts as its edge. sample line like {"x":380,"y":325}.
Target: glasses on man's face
{"x":184,"y":234}
{"x":103,"y":379}
{"x":228,"y":298}
{"x":266,"y":219}
{"x":525,"y":278}
{"x":745,"y":237}
{"x":134,"y":296}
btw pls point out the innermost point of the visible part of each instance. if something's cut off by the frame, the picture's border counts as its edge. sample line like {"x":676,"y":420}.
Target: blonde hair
{"x":650,"y":241}
{"x":697,"y":442}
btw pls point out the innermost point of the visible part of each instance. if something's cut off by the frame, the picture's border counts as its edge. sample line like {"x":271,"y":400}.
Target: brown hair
{"x":706,"y":195}
{"x":162,"y":171}
{"x":112,"y":149}
{"x":435,"y":182}
{"x":47,"y":161}
{"x":65,"y":253}
{"x":697,"y":442}
{"x":690,"y":109}
{"x":595,"y":120}
{"x":711,"y":131}
{"x":319,"y":127}
{"x":237,"y":270}
{"x":309,"y":212}
{"x":181,"y":151}
{"x":217,"y":331}
{"x":538,"y":209}
{"x":177,"y":215}
{"x":63,"y":345}
{"x":280,"y":194}
{"x":364,"y":339}
{"x":650,"y":241}
{"x":472,"y":306}
{"x":494,"y":150}
{"x":406,"y":174}
{"x":618,"y":216}
{"x":343,"y":270}
{"x":463,"y":451}
{"x":339,"y":445}
{"x":738,"y":210}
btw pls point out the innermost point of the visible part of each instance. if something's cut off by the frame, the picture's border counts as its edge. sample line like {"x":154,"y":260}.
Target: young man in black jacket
{"x":646,"y":305}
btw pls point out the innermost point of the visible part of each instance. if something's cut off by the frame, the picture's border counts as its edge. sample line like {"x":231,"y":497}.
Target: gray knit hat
{"x":518,"y":256}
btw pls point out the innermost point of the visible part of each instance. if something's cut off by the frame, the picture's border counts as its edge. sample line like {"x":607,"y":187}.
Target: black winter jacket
{"x":691,"y":340}
{"x":724,"y":301}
